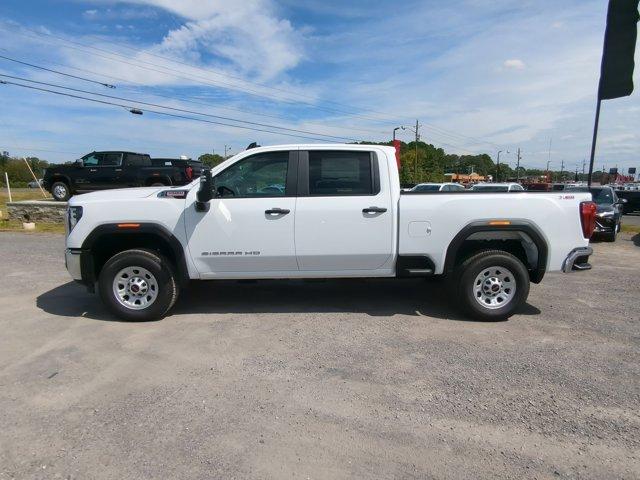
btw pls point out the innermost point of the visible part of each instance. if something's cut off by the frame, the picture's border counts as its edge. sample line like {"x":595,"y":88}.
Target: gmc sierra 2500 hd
{"x":321,"y":211}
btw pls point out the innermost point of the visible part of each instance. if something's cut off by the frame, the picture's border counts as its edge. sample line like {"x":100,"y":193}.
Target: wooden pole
{"x":35,"y":178}
{"x":6,"y":178}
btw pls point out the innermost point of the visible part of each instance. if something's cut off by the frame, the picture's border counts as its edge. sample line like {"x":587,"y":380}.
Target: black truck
{"x":117,"y":169}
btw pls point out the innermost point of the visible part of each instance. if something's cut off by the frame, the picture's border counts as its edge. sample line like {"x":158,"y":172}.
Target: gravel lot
{"x":342,"y":379}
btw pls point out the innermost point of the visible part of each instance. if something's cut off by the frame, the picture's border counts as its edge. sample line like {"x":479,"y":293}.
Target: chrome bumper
{"x":582,"y":254}
{"x":72,"y":262}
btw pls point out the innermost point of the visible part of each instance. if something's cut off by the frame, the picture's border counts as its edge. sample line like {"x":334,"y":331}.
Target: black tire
{"x":165,"y":282}
{"x":60,"y":191}
{"x":464,"y":282}
{"x":611,"y":236}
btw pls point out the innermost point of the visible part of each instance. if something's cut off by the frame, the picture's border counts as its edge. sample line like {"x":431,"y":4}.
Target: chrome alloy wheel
{"x":494,"y":287}
{"x":135,"y":288}
{"x":60,"y":191}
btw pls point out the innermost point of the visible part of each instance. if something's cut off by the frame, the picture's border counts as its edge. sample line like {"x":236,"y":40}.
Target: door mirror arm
{"x":205,"y":193}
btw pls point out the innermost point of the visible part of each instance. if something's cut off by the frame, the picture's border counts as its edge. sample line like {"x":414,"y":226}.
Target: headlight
{"x":74,"y":214}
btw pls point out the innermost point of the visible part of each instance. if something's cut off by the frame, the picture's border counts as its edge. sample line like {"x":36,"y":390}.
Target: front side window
{"x":261,"y":175}
{"x":92,"y":160}
{"x":340,"y":173}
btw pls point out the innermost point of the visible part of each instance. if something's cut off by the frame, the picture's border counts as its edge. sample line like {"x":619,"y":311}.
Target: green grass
{"x":18,"y":194}
{"x":631,"y":228}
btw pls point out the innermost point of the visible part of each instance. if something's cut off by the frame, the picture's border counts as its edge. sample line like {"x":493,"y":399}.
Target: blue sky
{"x":482,"y":76}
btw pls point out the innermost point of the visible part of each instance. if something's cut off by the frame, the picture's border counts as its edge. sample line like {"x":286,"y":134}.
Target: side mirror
{"x":622,"y":201}
{"x":205,"y":192}
{"x":78,"y":163}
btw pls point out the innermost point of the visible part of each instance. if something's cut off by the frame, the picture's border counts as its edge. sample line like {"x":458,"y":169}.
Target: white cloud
{"x":247,"y":34}
{"x":514,"y":64}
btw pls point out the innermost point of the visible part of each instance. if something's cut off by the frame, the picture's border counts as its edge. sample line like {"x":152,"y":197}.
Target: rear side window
{"x":110,"y":160}
{"x":135,"y":160}
{"x":340,"y":173}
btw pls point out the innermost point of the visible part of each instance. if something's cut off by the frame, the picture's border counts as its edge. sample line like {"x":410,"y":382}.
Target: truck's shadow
{"x":375,"y":297}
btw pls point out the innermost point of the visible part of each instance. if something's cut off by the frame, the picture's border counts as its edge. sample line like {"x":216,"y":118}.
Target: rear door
{"x":344,"y":218}
{"x":129,"y":175}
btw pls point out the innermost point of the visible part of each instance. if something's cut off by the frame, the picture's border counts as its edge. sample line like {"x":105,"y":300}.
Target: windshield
{"x":602,"y":196}
{"x":490,"y":188}
{"x":426,"y":188}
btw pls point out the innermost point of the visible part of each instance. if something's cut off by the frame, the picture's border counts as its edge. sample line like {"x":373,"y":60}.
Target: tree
{"x":211,"y":159}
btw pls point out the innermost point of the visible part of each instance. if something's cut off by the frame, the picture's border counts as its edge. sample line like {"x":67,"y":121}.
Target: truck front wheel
{"x":138,"y":285}
{"x":491,"y":285}
{"x":60,"y":191}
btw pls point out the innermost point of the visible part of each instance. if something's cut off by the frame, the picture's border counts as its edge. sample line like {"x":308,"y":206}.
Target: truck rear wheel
{"x":138,"y":285}
{"x":491,"y":285}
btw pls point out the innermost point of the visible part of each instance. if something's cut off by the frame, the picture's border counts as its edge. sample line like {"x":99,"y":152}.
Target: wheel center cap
{"x":495,"y":287}
{"x":135,"y":288}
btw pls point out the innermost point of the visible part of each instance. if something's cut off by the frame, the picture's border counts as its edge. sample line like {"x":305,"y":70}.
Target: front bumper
{"x":605,"y":224}
{"x":72,"y":259}
{"x":578,"y":259}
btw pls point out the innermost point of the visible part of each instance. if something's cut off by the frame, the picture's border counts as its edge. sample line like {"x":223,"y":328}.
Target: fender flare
{"x":56,"y":177}
{"x":87,"y":267}
{"x":523,"y":226}
{"x":166,"y":179}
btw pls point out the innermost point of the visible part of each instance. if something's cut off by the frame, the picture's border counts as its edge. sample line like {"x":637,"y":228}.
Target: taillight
{"x":189,"y":172}
{"x":588,"y":218}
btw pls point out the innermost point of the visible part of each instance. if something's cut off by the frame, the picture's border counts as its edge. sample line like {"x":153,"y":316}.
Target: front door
{"x":109,"y":168}
{"x":344,"y":216}
{"x":249,"y":226}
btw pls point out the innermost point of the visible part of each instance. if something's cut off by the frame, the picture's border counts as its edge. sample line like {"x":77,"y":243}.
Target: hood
{"x":604,"y":208}
{"x":115,"y":194}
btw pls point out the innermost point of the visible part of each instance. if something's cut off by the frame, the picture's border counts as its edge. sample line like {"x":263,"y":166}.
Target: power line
{"x":437,"y":129}
{"x":183,"y":99}
{"x":130,"y":107}
{"x":206,"y":81}
{"x":108,"y":85}
{"x":171,"y":72}
{"x":177,"y":109}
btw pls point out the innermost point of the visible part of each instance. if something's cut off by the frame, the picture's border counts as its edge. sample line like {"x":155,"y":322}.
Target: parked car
{"x":632,"y":198}
{"x":608,"y":213}
{"x":340,"y":213}
{"x":35,"y":184}
{"x":114,"y":169}
{"x":438,"y":187}
{"x":497,"y":187}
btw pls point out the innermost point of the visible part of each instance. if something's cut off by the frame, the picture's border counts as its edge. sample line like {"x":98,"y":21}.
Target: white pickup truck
{"x":321,"y":211}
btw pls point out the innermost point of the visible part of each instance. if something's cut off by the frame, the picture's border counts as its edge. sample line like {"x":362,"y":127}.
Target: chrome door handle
{"x":93,"y":170}
{"x":277,"y":211}
{"x":374,"y":210}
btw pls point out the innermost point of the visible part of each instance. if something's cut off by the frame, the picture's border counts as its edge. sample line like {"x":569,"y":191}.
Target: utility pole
{"x":562,"y":170}
{"x":415,"y":172}
{"x":584,"y":161}
{"x":518,"y":167}
{"x":226,"y":147}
